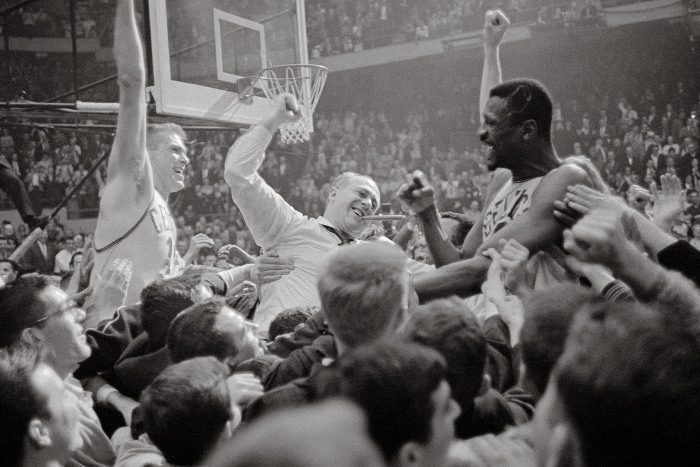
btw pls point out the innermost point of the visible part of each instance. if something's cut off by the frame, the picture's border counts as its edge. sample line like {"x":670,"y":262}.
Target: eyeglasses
{"x":72,"y":307}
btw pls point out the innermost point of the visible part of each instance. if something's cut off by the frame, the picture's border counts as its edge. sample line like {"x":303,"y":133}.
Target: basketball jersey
{"x":513,"y":199}
{"x":150,"y":247}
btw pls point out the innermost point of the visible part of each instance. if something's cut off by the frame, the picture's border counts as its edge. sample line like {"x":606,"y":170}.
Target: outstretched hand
{"x":495,"y":25}
{"x":418,"y":195}
{"x":669,"y":201}
{"x":109,"y":292}
{"x":599,"y":237}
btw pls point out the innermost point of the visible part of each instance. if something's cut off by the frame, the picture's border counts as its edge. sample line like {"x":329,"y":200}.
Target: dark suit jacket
{"x":36,"y":261}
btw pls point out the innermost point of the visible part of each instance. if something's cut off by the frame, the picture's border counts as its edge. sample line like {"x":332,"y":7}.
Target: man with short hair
{"x":631,"y":407}
{"x":212,"y":328}
{"x":36,"y":312}
{"x":278,"y":228}
{"x":8,"y":240}
{"x":187,"y":413}
{"x":145,"y":166}
{"x":39,"y":412}
{"x":516,"y":132}
{"x":403,"y":390}
{"x":364,"y":294}
{"x":9,"y":271}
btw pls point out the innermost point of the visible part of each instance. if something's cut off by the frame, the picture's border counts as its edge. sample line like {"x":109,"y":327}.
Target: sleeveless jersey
{"x":512,"y":200}
{"x":150,"y":247}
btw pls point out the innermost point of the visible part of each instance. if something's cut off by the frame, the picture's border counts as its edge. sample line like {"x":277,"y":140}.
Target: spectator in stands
{"x":41,"y":256}
{"x":403,"y":390}
{"x":39,"y":412}
{"x":9,"y":271}
{"x":35,"y":312}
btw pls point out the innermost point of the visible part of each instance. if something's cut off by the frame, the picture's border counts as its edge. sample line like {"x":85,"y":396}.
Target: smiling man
{"x":145,"y":166}
{"x":279,"y":229}
{"x":528,"y":179}
{"x":34,"y":312}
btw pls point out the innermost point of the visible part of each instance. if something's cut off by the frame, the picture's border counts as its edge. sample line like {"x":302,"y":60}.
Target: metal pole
{"x":74,"y":49}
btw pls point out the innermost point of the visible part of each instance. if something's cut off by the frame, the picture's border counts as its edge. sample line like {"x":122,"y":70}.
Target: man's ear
{"x":529,"y":130}
{"x":32,"y":336}
{"x":331,"y":193}
{"x":410,"y":453}
{"x":38,"y":434}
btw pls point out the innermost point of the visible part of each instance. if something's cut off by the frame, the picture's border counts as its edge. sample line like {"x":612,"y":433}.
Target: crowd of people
{"x":260,"y":318}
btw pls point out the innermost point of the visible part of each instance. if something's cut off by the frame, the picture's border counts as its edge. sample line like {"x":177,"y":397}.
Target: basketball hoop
{"x":305,"y":82}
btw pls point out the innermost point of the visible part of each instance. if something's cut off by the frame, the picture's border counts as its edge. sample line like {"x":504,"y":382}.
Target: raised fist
{"x":495,"y":25}
{"x":417,"y":195}
{"x":285,"y":109}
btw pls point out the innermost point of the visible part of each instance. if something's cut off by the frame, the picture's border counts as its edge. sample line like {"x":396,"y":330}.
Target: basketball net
{"x":305,"y":82}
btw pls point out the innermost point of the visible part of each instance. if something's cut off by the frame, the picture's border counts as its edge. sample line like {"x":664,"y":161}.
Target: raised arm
{"x":129,"y":177}
{"x":265,"y":212}
{"x":495,"y":25}
{"x":535,"y":229}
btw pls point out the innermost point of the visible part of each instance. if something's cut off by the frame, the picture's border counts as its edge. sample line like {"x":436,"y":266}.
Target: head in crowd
{"x":7,"y":228}
{"x":351,"y":197}
{"x":212,"y":328}
{"x":446,"y":326}
{"x":403,"y":391}
{"x":34,"y":311}
{"x":168,"y":155}
{"x":287,"y":320}
{"x":517,"y":122}
{"x":163,"y":299}
{"x":187,"y":410}
{"x":9,"y":271}
{"x":76,"y":259}
{"x":364,"y":292}
{"x":625,"y":391}
{"x":456,"y":226}
{"x":39,"y":414}
{"x":334,"y":433}
{"x":549,"y":314}
{"x":78,"y":241}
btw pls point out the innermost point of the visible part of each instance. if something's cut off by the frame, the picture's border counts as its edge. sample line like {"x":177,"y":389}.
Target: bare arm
{"x":495,"y":25}
{"x":129,"y":178}
{"x":535,"y":229}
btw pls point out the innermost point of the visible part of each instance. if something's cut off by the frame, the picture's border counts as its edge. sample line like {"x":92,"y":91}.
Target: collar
{"x":344,"y":237}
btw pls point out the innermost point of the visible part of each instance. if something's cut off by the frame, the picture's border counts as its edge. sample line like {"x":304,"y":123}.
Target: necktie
{"x":344,"y":238}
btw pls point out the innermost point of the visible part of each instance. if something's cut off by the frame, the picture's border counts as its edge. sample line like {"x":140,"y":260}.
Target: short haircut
{"x":155,"y":132}
{"x":628,"y":381}
{"x":15,"y":266}
{"x":361,"y":289}
{"x":185,"y":409}
{"x":288,"y":319}
{"x":19,"y":402}
{"x":528,"y":99}
{"x":343,"y":179}
{"x":20,"y":306}
{"x":460,"y":231}
{"x":548,"y":317}
{"x":393,"y":383}
{"x":446,"y":326}
{"x":162,"y":300}
{"x":193,"y":333}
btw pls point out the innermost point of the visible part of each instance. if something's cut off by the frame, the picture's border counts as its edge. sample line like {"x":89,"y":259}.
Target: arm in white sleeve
{"x":265,"y":212}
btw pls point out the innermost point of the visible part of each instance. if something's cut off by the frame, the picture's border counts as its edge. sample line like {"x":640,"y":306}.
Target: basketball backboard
{"x":202,"y":49}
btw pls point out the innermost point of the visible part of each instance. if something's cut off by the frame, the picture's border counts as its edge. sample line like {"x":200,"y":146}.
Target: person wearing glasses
{"x":37,"y":313}
{"x":528,"y":179}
